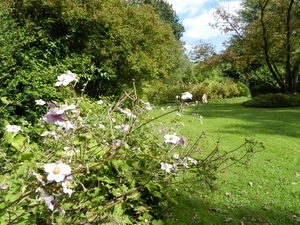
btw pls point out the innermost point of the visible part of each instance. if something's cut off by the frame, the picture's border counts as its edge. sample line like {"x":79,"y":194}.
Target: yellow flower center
{"x":171,"y":138}
{"x":68,"y":185}
{"x":56,"y":170}
{"x":39,"y":176}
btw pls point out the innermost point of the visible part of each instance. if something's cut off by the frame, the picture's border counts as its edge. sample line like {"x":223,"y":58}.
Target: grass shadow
{"x":194,"y":211}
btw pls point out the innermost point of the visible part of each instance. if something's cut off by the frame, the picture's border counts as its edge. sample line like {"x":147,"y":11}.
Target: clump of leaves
{"x":274,"y":101}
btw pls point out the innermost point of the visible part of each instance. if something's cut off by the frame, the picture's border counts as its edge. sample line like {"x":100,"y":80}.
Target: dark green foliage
{"x":274,"y":101}
{"x":22,"y":78}
{"x":159,"y":93}
{"x":130,"y":42}
{"x":164,"y":9}
{"x":41,"y":39}
{"x":260,"y":89}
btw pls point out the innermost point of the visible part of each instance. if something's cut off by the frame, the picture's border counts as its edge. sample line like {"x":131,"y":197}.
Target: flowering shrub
{"x":214,"y":89}
{"x":101,"y":162}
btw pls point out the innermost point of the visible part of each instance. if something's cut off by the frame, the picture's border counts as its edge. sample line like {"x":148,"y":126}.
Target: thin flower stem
{"x":120,"y":198}
{"x":143,"y":124}
{"x":17,"y":200}
{"x":93,"y":166}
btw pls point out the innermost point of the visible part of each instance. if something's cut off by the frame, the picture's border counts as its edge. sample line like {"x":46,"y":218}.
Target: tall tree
{"x":167,"y":14}
{"x":266,"y":35}
{"x":121,"y":41}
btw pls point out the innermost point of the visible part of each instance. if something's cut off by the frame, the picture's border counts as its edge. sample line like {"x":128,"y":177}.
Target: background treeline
{"x":113,"y":44}
{"x":110,"y":44}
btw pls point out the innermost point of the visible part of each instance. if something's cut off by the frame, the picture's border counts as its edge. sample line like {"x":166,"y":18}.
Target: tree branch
{"x":266,"y":46}
{"x":288,"y":71}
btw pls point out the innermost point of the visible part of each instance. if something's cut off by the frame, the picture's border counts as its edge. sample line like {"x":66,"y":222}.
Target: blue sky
{"x":196,"y":16}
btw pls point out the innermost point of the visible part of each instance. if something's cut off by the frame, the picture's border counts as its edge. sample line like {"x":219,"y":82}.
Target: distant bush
{"x":160,"y":93}
{"x":225,"y":88}
{"x":263,"y":89}
{"x":274,"y":101}
{"x":199,"y":89}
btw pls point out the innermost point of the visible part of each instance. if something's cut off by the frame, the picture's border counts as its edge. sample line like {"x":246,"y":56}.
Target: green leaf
{"x":8,"y":137}
{"x":119,"y":209}
{"x":157,"y":222}
{"x":18,"y":142}
{"x":27,"y":156}
{"x":5,"y":101}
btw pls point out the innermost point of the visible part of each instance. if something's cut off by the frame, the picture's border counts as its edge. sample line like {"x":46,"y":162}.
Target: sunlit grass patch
{"x":264,"y":192}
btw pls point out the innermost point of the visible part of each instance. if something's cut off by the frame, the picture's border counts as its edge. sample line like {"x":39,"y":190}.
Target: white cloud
{"x":198,"y":26}
{"x":187,"y":6}
{"x":196,"y":15}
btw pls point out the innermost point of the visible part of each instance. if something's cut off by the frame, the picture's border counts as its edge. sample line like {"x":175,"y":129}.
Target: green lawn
{"x":268,"y":191}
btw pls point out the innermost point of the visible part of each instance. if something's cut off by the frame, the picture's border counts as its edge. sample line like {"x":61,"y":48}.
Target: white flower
{"x":118,"y":127}
{"x":57,"y":172}
{"x":65,"y":124}
{"x":101,"y":126}
{"x":123,"y":127}
{"x":52,"y":133}
{"x":100,"y":102}
{"x":176,"y":156}
{"x":166,"y":166}
{"x":46,"y":133}
{"x":65,"y":79}
{"x":127,"y":112}
{"x":66,"y":184}
{"x":171,"y":138}
{"x":12,"y":128}
{"x":40,"y":102}
{"x":117,"y":143}
{"x":186,"y":95}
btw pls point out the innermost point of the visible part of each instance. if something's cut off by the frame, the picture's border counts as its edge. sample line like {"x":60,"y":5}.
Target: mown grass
{"x":265,"y":192}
